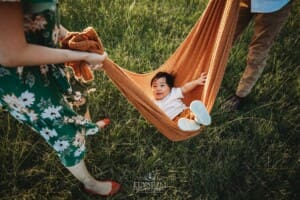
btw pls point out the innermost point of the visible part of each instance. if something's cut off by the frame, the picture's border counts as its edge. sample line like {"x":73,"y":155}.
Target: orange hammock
{"x":206,"y":49}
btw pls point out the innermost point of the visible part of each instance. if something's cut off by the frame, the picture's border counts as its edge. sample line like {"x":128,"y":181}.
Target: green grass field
{"x":249,"y":154}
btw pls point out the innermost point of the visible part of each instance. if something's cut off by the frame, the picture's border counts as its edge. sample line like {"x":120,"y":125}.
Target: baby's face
{"x":160,"y":88}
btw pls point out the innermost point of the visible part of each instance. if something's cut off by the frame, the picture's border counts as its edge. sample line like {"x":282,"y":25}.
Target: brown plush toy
{"x":87,"y":40}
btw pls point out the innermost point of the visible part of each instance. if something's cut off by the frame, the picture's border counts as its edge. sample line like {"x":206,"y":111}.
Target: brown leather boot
{"x":233,"y":103}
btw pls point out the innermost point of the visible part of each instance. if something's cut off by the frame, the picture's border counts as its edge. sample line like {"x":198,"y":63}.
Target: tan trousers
{"x":187,"y":113}
{"x":266,"y":27}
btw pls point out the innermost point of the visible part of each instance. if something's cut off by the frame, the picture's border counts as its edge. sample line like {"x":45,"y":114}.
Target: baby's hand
{"x":202,"y":79}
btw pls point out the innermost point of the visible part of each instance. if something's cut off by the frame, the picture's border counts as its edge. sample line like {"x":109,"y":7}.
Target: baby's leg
{"x":185,"y":121}
{"x":201,"y":114}
{"x":186,"y":124}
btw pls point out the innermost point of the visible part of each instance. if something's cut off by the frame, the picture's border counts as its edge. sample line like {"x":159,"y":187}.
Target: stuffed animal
{"x":87,"y":40}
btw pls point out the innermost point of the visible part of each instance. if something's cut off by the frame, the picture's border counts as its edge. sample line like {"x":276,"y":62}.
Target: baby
{"x":169,"y":99}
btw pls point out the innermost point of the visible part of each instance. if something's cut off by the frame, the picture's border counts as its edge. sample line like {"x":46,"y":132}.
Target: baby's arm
{"x":193,"y":84}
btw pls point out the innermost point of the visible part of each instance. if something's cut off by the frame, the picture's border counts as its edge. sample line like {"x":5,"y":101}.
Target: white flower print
{"x":30,"y":79}
{"x":20,"y":71}
{"x":62,"y":72}
{"x":55,"y":34}
{"x":47,"y":133}
{"x":10,"y":98}
{"x":68,"y":120}
{"x":44,"y":103}
{"x":79,"y":151}
{"x":44,"y":69}
{"x":78,"y":120}
{"x":4,"y":72}
{"x":32,"y":115}
{"x":36,"y":24}
{"x":92,"y":131}
{"x":79,"y":139}
{"x":69,"y":91}
{"x":19,"y":116}
{"x":40,"y":22}
{"x":52,"y":112}
{"x":26,"y":99}
{"x":13,"y":102}
{"x":58,"y":73}
{"x":61,"y":145}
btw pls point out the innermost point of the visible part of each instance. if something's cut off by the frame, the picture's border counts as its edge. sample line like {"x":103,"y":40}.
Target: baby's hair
{"x":169,"y":78}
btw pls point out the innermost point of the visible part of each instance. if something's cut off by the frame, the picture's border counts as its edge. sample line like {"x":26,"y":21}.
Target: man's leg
{"x":266,"y":28}
{"x":244,"y":18}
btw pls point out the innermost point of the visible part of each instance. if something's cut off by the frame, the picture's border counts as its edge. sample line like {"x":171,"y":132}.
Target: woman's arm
{"x":193,"y":84}
{"x":15,"y":51}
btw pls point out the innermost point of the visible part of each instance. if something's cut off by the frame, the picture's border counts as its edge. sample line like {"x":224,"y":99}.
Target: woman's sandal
{"x":103,"y":123}
{"x":115,"y":187}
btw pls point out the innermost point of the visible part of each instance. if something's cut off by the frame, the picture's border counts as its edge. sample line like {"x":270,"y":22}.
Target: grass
{"x":249,"y":154}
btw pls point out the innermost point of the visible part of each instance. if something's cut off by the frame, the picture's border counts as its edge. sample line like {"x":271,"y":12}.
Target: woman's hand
{"x":15,"y":51}
{"x":96,"y":60}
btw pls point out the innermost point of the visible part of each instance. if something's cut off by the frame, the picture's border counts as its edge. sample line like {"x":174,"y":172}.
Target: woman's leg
{"x":81,"y":173}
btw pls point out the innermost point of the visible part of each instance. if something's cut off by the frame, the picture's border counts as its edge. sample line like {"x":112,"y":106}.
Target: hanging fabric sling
{"x":205,"y":49}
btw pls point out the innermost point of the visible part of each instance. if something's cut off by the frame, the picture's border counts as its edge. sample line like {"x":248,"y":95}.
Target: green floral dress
{"x":35,"y":95}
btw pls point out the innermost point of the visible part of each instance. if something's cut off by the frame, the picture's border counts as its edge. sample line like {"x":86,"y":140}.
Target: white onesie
{"x":172,"y":104}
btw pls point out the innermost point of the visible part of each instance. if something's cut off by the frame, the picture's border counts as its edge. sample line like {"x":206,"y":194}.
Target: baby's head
{"x":161,"y":85}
